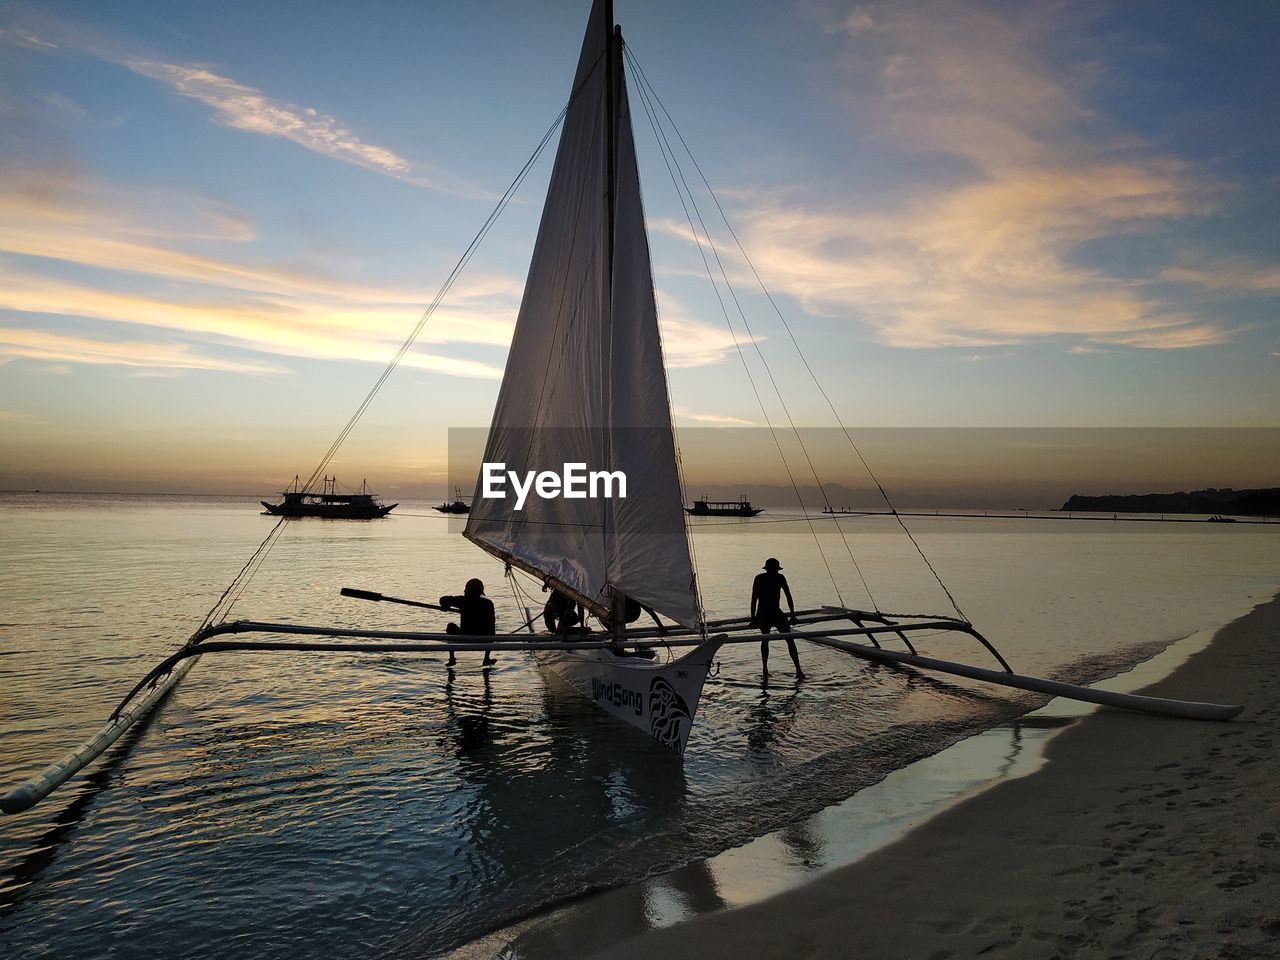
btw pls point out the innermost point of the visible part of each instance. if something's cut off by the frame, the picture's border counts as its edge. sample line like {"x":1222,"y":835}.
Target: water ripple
{"x":293,"y":806}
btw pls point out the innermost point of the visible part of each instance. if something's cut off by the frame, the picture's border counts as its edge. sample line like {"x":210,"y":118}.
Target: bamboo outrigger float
{"x":162,"y":680}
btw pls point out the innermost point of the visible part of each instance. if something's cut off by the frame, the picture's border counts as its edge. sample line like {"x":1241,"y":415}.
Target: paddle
{"x":380,"y":598}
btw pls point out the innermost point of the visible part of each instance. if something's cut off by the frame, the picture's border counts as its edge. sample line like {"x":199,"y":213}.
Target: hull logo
{"x":669,"y":719}
{"x":615,"y":694}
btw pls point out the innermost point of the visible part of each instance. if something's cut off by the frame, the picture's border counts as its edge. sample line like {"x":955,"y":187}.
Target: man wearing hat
{"x":766,"y":611}
{"x":476,"y":620}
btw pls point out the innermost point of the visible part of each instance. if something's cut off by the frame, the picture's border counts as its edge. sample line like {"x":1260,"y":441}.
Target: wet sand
{"x":1140,"y":837}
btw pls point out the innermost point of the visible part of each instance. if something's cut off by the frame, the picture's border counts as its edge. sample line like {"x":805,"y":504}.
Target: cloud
{"x":968,"y":81}
{"x":242,"y":107}
{"x":62,"y":348}
{"x":156,"y":258}
{"x":1173,"y":337}
{"x":689,"y":342}
{"x":996,"y":245}
{"x":681,"y":230}
{"x":988,"y":263}
{"x":51,"y":220}
{"x":266,"y":325}
{"x":1236,"y":275}
{"x":64,"y":103}
{"x":13,"y":416}
{"x":25,"y":38}
{"x":52,"y":216}
{"x":714,"y":419}
{"x":245,"y":108}
{"x":138,"y":238}
{"x":58,"y":202}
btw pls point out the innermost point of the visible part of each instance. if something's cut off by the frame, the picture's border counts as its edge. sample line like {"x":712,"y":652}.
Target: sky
{"x":218,"y":221}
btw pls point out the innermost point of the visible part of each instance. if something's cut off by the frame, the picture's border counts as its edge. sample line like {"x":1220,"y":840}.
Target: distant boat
{"x":841,"y":511}
{"x":723,"y":508}
{"x":329,"y":504}
{"x":457,"y":506}
{"x":1218,"y":518}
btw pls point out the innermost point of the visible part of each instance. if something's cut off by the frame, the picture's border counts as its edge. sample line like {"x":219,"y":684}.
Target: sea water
{"x":305,"y":805}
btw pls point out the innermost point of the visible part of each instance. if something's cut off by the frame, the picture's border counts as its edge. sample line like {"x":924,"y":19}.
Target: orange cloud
{"x":288,"y":329}
{"x":55,"y":347}
{"x":982,"y":264}
{"x":687,"y":342}
{"x":290,"y":312}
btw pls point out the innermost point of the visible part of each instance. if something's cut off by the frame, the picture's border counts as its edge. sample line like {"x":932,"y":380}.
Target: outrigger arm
{"x":160,"y":681}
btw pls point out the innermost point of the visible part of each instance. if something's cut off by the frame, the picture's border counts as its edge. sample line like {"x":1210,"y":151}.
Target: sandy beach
{"x":1140,"y":837}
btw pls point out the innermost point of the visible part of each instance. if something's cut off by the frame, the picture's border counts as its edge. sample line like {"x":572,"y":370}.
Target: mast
{"x":612,"y":66}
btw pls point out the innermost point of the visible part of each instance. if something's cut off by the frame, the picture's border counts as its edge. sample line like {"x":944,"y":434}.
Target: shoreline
{"x":1064,"y":801}
{"x":1139,"y":837}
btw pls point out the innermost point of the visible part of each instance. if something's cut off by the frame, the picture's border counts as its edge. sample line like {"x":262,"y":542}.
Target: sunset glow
{"x":971,"y":215}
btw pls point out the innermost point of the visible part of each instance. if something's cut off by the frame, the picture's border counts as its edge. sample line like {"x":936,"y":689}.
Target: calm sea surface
{"x":304,"y":805}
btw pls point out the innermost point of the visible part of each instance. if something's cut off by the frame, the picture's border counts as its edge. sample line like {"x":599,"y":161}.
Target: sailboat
{"x":585,"y":382}
{"x":589,"y":387}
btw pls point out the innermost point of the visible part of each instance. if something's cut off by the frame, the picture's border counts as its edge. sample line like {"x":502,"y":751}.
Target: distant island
{"x":1253,"y":503}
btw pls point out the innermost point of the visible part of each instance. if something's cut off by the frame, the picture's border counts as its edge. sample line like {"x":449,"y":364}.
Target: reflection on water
{"x":320,"y":806}
{"x":63,"y":824}
{"x":770,"y":718}
{"x":838,"y":835}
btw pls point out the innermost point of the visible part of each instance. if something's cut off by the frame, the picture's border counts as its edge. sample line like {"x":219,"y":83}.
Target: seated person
{"x":631,"y":610}
{"x":560,"y":613}
{"x":477,"y":617}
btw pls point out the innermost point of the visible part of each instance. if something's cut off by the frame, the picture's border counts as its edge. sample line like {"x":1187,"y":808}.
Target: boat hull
{"x":657,"y":698}
{"x":328,"y":511}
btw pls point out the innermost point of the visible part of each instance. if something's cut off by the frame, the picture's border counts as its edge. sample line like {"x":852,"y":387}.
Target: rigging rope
{"x":675,"y":438}
{"x":669,"y":159}
{"x":791,"y":334}
{"x":769,"y":372}
{"x":684,"y":517}
{"x":457,"y":270}
{"x":235,"y":589}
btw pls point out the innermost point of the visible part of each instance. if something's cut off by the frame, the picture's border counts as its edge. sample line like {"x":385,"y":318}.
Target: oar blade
{"x":360,"y":594}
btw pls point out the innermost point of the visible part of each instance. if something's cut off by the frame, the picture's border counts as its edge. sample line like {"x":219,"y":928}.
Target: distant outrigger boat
{"x":723,"y":508}
{"x":1219,"y":518}
{"x":329,"y":504}
{"x":458,"y":505}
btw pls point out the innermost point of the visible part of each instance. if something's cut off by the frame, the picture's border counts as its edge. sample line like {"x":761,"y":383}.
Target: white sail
{"x":648,"y":547}
{"x":585,"y":382}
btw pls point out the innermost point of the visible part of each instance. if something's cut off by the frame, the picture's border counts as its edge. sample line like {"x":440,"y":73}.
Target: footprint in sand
{"x":1237,"y":880}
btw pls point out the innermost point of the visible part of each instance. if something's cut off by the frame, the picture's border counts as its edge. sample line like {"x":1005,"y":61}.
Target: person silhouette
{"x":766,"y":612}
{"x":560,"y":613}
{"x":477,"y":616}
